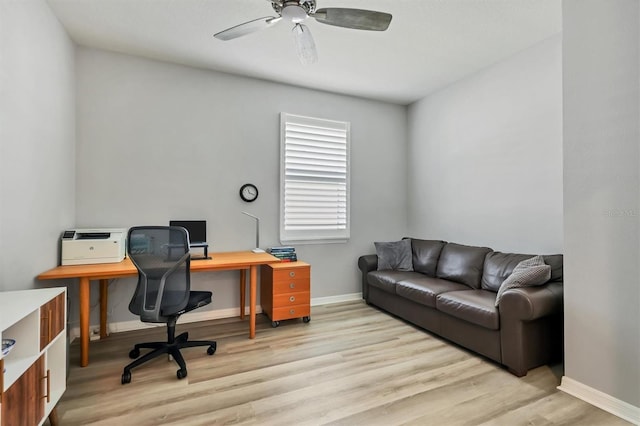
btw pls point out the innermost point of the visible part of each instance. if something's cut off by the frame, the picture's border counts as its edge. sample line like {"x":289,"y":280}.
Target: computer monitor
{"x":197,"y":230}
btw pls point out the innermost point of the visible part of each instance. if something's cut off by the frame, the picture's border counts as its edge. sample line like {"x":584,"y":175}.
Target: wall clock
{"x":248,"y":192}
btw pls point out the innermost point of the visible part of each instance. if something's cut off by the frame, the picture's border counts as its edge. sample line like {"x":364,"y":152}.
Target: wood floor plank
{"x":351,"y":365}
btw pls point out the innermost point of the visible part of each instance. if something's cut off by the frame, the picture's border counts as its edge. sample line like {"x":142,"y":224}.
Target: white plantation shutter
{"x":314,"y":180}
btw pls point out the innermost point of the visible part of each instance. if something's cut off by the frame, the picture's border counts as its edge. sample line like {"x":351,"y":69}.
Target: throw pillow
{"x":527,"y":273}
{"x":395,"y":255}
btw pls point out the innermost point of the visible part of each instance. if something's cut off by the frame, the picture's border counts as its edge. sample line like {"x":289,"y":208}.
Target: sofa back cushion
{"x":462,"y":264}
{"x":555,"y":261}
{"x":425,"y":255}
{"x":498,"y":266}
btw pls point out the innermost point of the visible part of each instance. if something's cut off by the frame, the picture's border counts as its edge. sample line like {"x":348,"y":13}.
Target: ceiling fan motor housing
{"x":294,"y":10}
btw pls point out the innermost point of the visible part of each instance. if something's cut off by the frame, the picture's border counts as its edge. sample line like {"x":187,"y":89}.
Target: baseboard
{"x":117,"y":327}
{"x":601,"y":400}
{"x":318,"y":301}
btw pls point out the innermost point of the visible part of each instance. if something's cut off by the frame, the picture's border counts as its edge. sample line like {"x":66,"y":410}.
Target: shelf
{"x":36,"y":320}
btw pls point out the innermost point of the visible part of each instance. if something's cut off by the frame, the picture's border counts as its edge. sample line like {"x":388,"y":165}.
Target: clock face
{"x":248,"y":192}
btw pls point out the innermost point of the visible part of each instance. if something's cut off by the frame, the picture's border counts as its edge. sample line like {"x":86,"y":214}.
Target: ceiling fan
{"x":296,"y":11}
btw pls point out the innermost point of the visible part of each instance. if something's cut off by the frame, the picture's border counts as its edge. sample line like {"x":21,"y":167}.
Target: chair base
{"x":172,"y":347}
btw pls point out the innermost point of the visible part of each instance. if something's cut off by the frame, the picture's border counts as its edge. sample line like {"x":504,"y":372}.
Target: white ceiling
{"x":429,"y":44}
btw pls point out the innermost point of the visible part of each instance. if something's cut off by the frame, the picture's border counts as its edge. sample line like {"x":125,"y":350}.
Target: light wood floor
{"x":351,"y":365}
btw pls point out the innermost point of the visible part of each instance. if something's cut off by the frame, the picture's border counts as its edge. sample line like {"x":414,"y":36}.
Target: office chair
{"x":161,"y":255}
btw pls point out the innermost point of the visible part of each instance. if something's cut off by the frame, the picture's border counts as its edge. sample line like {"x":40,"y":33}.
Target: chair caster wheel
{"x":182,"y":373}
{"x":212,"y":349}
{"x":274,"y":324}
{"x":306,"y":319}
{"x":135,"y":353}
{"x":126,"y":377}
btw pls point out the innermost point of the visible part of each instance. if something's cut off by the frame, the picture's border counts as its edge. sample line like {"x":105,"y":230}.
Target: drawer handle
{"x":292,"y":299}
{"x":292,"y":274}
{"x":292,"y":285}
{"x":47,"y":377}
{"x":292,"y":311}
{"x":45,"y":333}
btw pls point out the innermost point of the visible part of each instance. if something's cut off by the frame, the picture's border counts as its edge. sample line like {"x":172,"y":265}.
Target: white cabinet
{"x":33,"y":374}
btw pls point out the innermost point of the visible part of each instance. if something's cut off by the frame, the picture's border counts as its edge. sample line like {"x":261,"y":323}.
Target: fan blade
{"x":247,"y":28}
{"x":353,"y":18}
{"x":305,"y":46}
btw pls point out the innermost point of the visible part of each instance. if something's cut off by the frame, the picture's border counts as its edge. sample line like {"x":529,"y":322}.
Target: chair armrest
{"x":155,"y":314}
{"x":368,"y":262}
{"x":530,"y":303}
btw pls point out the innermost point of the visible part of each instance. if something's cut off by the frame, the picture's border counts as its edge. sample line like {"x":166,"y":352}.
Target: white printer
{"x":86,"y":246}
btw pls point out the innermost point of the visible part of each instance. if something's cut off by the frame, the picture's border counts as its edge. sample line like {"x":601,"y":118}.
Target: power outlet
{"x":95,"y":334}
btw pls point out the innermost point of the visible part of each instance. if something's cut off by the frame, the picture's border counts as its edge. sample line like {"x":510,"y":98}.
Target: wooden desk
{"x":224,"y":261}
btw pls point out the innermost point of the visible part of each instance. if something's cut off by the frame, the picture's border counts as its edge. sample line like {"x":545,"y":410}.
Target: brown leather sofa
{"x":452,"y":291}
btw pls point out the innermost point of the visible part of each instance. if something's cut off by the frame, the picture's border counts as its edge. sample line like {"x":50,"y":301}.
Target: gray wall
{"x":159,"y":141}
{"x":216,"y":131}
{"x":485,"y":156}
{"x":601,"y":195}
{"x":37,"y":140}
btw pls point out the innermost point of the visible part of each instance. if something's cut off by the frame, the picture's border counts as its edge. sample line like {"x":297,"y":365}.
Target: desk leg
{"x":243,"y":291}
{"x":104,"y":285}
{"x":84,"y":320}
{"x":253,"y":278}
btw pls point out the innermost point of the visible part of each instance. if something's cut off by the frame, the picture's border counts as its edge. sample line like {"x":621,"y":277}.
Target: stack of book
{"x":284,"y":253}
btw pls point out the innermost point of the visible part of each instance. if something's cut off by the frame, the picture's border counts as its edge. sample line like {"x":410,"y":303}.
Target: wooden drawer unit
{"x":285,"y":291}
{"x":51,"y":320}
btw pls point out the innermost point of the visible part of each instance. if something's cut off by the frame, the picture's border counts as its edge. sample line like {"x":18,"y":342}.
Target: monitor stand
{"x":204,"y":246}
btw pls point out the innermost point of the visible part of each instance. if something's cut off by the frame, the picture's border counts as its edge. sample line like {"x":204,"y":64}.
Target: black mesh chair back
{"x":161,"y":255}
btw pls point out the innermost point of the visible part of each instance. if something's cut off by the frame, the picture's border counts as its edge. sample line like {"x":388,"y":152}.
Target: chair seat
{"x":197,"y":299}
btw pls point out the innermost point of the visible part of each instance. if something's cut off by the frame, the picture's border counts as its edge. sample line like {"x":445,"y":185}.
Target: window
{"x":314,"y":180}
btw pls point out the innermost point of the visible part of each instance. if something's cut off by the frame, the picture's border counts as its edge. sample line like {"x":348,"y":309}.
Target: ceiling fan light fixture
{"x":305,"y":46}
{"x":294,"y":12}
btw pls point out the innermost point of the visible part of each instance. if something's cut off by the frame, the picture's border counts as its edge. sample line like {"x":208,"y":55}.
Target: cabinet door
{"x":51,"y":320}
{"x":22,"y":403}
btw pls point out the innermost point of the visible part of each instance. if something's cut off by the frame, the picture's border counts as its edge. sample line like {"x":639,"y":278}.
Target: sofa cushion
{"x":555,"y":261}
{"x":425,"y":255}
{"x":529,"y":272}
{"x":462,"y":264}
{"x":474,"y":306}
{"x":498,"y":266}
{"x":387,"y":280}
{"x":394,"y":255}
{"x":423,"y":290}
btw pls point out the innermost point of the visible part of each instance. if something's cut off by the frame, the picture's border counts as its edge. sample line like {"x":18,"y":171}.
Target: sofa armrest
{"x":531,"y":303}
{"x":367,"y":263}
{"x":531,"y":327}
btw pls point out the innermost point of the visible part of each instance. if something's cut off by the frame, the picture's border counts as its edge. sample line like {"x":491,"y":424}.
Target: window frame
{"x":314,"y":236}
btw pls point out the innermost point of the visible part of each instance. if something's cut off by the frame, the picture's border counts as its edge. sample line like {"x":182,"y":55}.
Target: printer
{"x":86,"y":246}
